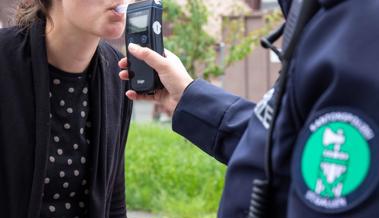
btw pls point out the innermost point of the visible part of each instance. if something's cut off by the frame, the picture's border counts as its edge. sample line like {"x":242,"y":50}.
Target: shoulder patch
{"x":335,"y":165}
{"x":264,"y":110}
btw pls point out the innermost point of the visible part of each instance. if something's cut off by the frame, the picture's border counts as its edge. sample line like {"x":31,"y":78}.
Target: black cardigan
{"x":25,"y":127}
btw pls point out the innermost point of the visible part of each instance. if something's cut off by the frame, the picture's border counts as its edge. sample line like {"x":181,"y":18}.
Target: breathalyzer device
{"x":144,"y":27}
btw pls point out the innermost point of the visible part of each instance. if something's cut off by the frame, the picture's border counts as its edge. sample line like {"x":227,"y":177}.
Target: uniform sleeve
{"x":118,"y":204}
{"x":212,"y":119}
{"x":335,"y":85}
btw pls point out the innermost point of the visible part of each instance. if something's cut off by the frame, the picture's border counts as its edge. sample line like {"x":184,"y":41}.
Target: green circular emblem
{"x":335,"y":160}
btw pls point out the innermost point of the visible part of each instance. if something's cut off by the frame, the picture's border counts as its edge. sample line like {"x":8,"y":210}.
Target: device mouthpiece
{"x":121,"y":8}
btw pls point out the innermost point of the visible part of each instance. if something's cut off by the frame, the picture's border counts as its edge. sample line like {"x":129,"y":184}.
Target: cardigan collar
{"x":99,"y":159}
{"x":42,"y":111}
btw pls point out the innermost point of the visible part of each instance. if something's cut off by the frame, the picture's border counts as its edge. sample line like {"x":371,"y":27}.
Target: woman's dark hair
{"x":28,"y":11}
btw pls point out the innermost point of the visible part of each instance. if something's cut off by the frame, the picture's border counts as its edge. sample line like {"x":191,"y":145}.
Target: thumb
{"x":152,"y":58}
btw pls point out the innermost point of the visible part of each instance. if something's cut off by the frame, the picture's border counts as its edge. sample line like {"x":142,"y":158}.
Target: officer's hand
{"x":171,"y":72}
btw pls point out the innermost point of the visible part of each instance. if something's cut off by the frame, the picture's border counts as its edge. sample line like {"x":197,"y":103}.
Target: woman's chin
{"x":113,"y":34}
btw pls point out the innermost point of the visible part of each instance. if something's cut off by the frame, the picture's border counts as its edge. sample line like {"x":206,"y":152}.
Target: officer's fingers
{"x":168,"y":53}
{"x":123,"y":63}
{"x":124,"y":75}
{"x":172,"y":57}
{"x":152,"y":58}
{"x":132,"y":95}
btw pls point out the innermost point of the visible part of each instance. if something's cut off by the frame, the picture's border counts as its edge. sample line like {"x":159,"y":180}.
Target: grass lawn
{"x":167,"y":175}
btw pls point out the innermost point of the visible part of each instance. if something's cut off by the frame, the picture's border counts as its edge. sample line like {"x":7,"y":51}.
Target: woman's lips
{"x":116,"y":16}
{"x":118,"y":12}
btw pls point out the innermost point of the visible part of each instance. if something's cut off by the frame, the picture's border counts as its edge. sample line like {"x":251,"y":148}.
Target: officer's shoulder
{"x":367,"y":9}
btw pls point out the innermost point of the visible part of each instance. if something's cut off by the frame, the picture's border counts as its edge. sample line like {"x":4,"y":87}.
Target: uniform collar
{"x":285,"y":5}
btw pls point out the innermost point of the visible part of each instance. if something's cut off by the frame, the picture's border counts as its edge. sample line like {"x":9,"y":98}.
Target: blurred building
{"x":250,"y":78}
{"x":7,"y":8}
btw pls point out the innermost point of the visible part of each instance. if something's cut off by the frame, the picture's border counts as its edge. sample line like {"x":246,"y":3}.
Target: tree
{"x":197,"y":49}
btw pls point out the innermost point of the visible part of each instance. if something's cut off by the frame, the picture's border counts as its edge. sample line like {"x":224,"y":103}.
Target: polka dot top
{"x":66,"y":181}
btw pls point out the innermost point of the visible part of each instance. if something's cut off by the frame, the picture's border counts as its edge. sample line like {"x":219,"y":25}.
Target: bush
{"x":165,"y":174}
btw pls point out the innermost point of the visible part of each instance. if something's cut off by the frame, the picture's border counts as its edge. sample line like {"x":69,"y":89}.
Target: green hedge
{"x":167,"y":175}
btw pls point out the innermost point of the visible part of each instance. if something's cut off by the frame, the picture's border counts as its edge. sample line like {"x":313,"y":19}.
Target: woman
{"x":64,"y":118}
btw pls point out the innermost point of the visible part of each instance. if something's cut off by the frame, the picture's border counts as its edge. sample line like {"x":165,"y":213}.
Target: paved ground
{"x":134,"y":214}
{"x":142,"y":111}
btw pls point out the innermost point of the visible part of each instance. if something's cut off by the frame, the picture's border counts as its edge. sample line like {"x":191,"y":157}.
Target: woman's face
{"x":96,"y":17}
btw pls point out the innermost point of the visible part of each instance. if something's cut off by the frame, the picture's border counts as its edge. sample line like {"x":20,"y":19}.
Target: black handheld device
{"x":144,"y":27}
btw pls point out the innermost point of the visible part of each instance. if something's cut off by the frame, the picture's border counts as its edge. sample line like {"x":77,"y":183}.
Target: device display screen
{"x":138,"y":22}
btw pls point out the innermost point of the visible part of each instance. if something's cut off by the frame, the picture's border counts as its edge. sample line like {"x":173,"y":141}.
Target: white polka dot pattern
{"x":76,"y":172}
{"x":56,"y":139}
{"x":67,"y":126}
{"x":62,"y":103}
{"x":52,"y":208}
{"x":65,"y":183}
{"x":61,"y":174}
{"x":56,"y":196}
{"x":81,"y":204}
{"x":75,"y":146}
{"x":52,"y":159}
{"x":70,"y":110}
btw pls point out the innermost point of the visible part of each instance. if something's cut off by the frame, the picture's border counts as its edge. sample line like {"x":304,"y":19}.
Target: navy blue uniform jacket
{"x":25,"y":127}
{"x":325,"y":154}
